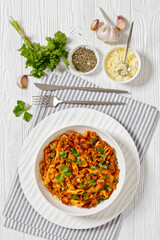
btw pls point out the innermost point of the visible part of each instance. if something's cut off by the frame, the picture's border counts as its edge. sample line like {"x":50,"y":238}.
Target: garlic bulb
{"x":22,"y":81}
{"x":107,"y":32}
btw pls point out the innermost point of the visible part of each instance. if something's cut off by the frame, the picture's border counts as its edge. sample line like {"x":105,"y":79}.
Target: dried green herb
{"x":84,"y":59}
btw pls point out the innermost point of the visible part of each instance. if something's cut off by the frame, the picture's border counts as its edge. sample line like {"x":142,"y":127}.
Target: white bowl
{"x":70,"y":59}
{"x":74,"y":210}
{"x":139,"y":64}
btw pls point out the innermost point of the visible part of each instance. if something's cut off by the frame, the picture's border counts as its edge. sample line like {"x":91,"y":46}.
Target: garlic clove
{"x":121,"y":23}
{"x":22,"y":81}
{"x":94,"y":24}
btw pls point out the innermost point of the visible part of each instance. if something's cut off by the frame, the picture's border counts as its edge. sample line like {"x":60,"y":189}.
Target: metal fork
{"x":51,"y":101}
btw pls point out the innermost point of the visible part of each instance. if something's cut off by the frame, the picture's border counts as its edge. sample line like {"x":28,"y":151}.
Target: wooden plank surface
{"x":41,"y":18}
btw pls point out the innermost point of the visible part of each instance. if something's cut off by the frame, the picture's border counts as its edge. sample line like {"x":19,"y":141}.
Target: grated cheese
{"x":114,"y":62}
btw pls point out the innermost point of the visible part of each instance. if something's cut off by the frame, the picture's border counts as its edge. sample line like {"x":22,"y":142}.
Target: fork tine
{"x":41,"y":100}
{"x":42,"y":105}
{"x":40,"y":97}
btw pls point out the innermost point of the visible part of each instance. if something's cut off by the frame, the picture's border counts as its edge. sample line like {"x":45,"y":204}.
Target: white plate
{"x":74,"y":210}
{"x":63,"y":119}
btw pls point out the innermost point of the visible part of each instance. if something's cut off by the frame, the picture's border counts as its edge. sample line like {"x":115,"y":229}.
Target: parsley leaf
{"x":27,"y":116}
{"x":82,"y":185}
{"x":59,"y":178}
{"x":50,"y":157}
{"x":92,"y":182}
{"x":93,"y":167}
{"x":63,"y":188}
{"x":20,"y":109}
{"x":74,"y":152}
{"x":77,"y":160}
{"x":21,"y":104}
{"x":65,"y":171}
{"x":41,"y":57}
{"x":110,"y":166}
{"x":63,"y":154}
{"x":64,"y":168}
{"x":101,"y":150}
{"x":102,"y":165}
{"x":54,"y":152}
{"x":109,"y":188}
{"x":116,"y":180}
{"x":69,"y":160}
{"x":67,"y":174}
{"x":100,"y":198}
{"x":84,"y":194}
{"x":74,"y":196}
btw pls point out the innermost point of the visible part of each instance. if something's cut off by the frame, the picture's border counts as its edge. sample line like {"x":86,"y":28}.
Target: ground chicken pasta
{"x":80,"y":170}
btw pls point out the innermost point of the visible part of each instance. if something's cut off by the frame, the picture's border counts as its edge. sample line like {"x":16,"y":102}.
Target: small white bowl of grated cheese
{"x":115,"y":57}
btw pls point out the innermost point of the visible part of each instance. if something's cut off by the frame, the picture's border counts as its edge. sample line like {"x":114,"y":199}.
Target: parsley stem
{"x":28,"y":108}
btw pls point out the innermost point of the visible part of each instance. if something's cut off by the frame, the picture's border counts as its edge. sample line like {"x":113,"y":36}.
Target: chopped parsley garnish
{"x":59,"y":178}
{"x":67,"y":174}
{"x":116,"y":180}
{"x":74,"y":196}
{"x":82,"y":185}
{"x":84,"y":194}
{"x":63,"y":188}
{"x":93,"y":167}
{"x":63,"y":154}
{"x":65,"y":170}
{"x":92,"y":182}
{"x":74,"y":152}
{"x":77,"y":160}
{"x":102,"y":165}
{"x":101,"y":189}
{"x":109,"y":188}
{"x":100,"y":198}
{"x":101,"y":150}
{"x":110,"y":166}
{"x":69,"y":160}
{"x":54,"y":152}
{"x":50,"y":157}
{"x":105,"y":175}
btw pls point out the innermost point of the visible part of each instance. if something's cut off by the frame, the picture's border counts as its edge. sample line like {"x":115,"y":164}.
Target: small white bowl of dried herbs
{"x":83,"y":59}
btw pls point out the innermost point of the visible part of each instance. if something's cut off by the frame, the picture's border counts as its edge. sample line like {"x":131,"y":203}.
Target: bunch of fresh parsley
{"x":20,"y":109}
{"x":42,"y":57}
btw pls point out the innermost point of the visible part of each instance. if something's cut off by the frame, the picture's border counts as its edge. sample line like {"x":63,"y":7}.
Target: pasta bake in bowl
{"x":80,"y":170}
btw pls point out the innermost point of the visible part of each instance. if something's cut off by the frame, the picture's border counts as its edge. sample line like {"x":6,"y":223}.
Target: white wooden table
{"x":41,"y":18}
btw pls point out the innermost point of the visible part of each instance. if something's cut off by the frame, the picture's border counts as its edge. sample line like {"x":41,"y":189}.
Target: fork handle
{"x":95,"y":102}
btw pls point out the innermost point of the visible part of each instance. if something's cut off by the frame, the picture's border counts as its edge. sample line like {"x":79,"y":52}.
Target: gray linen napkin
{"x":138,"y":118}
